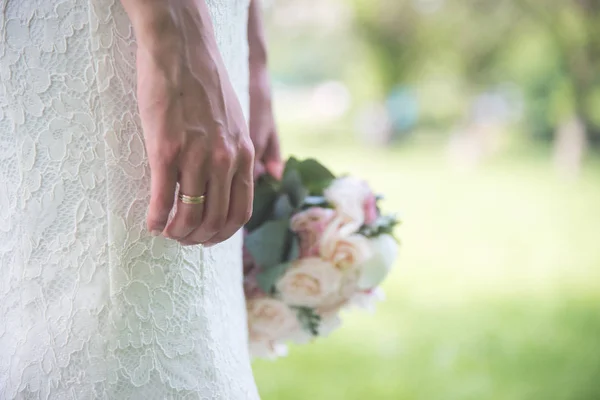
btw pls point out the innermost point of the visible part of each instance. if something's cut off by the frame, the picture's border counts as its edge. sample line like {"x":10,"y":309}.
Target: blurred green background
{"x":479,"y":121}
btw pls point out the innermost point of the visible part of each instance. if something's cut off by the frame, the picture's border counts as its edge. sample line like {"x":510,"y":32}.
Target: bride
{"x":126,"y":172}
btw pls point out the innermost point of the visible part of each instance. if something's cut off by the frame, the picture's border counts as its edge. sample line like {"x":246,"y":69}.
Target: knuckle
{"x":191,"y":220}
{"x":243,"y":218}
{"x":157,"y":216}
{"x":223,"y":157}
{"x":247,"y":215}
{"x":213,"y":224}
{"x":164,"y":155}
{"x":246,"y":154}
{"x":189,"y":242}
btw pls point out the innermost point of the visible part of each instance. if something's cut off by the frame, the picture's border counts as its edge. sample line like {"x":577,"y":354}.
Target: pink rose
{"x":370,"y":209}
{"x":309,"y":226}
{"x":251,"y":287}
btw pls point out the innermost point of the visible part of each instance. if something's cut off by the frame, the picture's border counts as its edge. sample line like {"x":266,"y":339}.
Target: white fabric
{"x":92,"y":306}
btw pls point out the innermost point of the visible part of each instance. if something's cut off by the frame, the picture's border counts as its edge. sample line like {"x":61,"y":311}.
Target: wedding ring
{"x":191,"y":199}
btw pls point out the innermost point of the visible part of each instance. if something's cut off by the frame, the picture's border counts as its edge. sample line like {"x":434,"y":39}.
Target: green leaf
{"x":382,"y":225}
{"x":315,"y":176}
{"x":283,"y":208}
{"x":267,"y":279}
{"x":294,"y":250}
{"x":267,"y":243}
{"x":265,"y":195}
{"x":292,"y":185}
{"x":309,"y":320}
{"x":291,"y":164}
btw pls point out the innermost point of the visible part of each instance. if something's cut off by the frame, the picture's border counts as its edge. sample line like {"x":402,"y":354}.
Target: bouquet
{"x":316,"y":244}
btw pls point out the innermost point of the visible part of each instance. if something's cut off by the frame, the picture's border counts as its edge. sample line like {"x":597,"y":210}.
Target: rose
{"x":348,"y":288}
{"x":309,"y":225}
{"x":343,"y":250}
{"x":251,"y":271}
{"x":349,"y":196}
{"x":270,"y":319}
{"x":251,"y":287}
{"x":370,"y":209}
{"x":308,"y":282}
{"x":329,"y":322}
{"x":374,"y":270}
{"x":366,"y":299}
{"x":263,"y":347}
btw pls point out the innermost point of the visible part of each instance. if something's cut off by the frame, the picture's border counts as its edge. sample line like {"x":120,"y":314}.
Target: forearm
{"x":164,"y":23}
{"x":256,"y":38}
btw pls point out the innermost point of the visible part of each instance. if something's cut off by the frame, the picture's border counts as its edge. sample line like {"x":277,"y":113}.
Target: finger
{"x":259,"y":169}
{"x":272,"y":157}
{"x":163,"y":180}
{"x":188,"y":217}
{"x":256,"y":128}
{"x":240,"y":208}
{"x":216,"y":207}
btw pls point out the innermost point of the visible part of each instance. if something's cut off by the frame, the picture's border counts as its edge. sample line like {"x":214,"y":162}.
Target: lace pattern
{"x":91,"y":305}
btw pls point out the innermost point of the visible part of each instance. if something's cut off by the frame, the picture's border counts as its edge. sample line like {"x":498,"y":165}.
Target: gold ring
{"x":191,"y":199}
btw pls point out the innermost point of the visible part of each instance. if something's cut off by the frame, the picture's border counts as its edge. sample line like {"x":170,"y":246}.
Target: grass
{"x":496,"y":294}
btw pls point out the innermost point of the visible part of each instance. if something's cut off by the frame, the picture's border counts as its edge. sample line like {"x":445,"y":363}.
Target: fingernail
{"x":155,"y":232}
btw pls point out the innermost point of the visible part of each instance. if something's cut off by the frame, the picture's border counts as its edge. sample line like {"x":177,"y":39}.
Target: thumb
{"x":259,"y":169}
{"x":272,"y":157}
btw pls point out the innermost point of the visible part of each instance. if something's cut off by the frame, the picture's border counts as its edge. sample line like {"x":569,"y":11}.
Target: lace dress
{"x":91,"y":305}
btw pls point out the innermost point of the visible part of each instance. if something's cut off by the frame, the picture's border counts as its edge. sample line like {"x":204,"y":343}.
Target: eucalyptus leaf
{"x":384,"y":224}
{"x":267,"y":279}
{"x":315,"y":176}
{"x":309,"y":320}
{"x":265,"y":195}
{"x":294,"y":250}
{"x":267,"y":243}
{"x":290,"y":164}
{"x":292,"y":185}
{"x":283,"y":207}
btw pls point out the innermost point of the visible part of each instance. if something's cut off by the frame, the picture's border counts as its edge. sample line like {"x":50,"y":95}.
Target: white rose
{"x":262,"y":348}
{"x":348,"y":195}
{"x":376,"y":268}
{"x":308,"y":282}
{"x":329,"y":323}
{"x":367,"y":299}
{"x":270,"y":320}
{"x":343,"y":250}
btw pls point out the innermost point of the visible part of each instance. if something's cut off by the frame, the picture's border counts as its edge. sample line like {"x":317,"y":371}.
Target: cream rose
{"x":308,"y":282}
{"x":270,"y":320}
{"x":344,"y":250}
{"x":262,"y":347}
{"x":374,"y":270}
{"x":329,"y":323}
{"x":348,"y":195}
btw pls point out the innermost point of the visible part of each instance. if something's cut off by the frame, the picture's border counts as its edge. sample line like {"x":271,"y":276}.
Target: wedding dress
{"x":91,"y":305}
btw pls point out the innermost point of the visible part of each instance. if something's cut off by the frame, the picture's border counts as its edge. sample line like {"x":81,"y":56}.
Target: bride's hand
{"x":263,"y":130}
{"x":194,"y":129}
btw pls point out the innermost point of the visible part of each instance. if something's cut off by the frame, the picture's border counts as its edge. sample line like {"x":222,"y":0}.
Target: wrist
{"x":260,"y":79}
